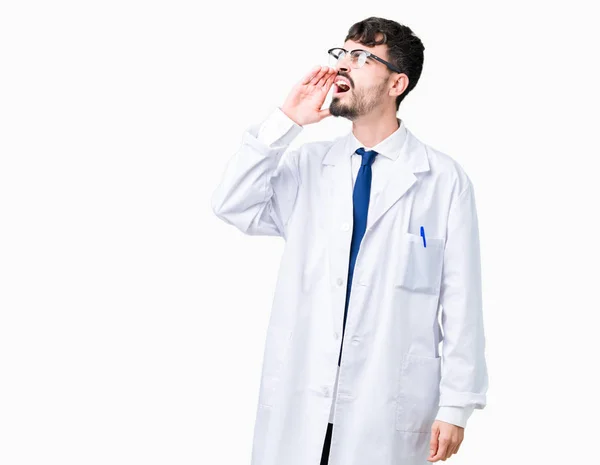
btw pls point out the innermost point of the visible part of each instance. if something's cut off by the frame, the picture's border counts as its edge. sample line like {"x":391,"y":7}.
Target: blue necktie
{"x":360,"y":200}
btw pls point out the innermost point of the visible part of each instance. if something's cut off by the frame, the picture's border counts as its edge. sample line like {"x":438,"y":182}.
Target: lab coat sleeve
{"x":464,"y":377}
{"x":259,"y":187}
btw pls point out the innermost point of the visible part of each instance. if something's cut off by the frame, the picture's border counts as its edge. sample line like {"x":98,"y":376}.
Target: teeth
{"x":342,"y":85}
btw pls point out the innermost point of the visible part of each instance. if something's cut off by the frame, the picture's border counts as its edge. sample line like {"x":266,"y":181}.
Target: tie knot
{"x":367,"y":156}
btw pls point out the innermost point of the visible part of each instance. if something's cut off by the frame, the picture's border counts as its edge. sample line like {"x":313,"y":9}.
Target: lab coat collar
{"x":401,"y":146}
{"x":389,"y":147}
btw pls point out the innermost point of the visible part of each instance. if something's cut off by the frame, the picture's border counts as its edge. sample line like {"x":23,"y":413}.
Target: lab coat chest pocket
{"x":418,"y":393}
{"x":277,"y":347}
{"x":421,"y":266}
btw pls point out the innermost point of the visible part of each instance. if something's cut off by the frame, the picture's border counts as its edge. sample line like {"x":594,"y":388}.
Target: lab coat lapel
{"x":411,"y":159}
{"x":401,"y":179}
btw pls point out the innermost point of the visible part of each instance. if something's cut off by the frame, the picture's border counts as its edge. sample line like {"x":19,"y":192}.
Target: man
{"x":353,"y":337}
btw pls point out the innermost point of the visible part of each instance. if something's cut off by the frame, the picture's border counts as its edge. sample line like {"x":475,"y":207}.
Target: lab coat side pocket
{"x":418,"y":394}
{"x":277,"y":347}
{"x":421,"y":267}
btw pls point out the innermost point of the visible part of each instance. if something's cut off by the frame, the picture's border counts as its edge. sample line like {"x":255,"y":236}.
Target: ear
{"x":400,"y":85}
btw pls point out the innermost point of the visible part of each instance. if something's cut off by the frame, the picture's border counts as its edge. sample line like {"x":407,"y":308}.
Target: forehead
{"x":379,"y":50}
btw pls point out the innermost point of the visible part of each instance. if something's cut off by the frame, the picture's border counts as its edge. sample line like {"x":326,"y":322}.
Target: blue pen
{"x":423,"y":235}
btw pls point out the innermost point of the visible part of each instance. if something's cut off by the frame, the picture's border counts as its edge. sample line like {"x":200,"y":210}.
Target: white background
{"x":132,"y":320}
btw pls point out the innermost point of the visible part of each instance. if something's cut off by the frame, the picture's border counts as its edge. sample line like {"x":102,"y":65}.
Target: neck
{"x":373,"y":128}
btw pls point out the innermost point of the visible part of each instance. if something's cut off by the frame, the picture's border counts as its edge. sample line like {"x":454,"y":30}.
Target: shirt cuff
{"x":455,"y":415}
{"x":278,"y":129}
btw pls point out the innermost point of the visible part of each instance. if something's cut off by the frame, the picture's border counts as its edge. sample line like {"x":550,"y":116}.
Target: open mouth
{"x":341,"y":87}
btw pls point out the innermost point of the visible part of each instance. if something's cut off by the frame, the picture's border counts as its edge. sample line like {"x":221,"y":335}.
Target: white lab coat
{"x":393,"y":380}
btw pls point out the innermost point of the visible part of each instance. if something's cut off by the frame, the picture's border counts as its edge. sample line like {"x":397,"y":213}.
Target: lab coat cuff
{"x":278,"y":129}
{"x":455,"y":415}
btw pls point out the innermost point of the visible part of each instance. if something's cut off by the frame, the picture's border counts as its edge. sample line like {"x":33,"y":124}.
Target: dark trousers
{"x":326,"y":444}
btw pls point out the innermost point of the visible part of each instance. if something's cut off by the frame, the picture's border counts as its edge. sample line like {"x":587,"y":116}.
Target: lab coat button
{"x":326,"y":391}
{"x":345,"y":227}
{"x":340,"y":281}
{"x":355,"y":341}
{"x":336,"y":335}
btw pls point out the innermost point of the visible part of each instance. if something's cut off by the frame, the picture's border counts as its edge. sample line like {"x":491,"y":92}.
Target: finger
{"x":457,"y":447}
{"x":328,"y":82}
{"x":326,"y":79}
{"x":461,"y":438}
{"x":324,"y":114}
{"x":311,"y":74}
{"x":451,"y":450}
{"x":433,"y":443}
{"x":441,"y":452}
{"x":315,"y":80}
{"x":317,"y":77}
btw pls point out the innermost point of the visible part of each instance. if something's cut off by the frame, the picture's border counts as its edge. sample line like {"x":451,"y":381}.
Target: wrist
{"x":290,"y":115}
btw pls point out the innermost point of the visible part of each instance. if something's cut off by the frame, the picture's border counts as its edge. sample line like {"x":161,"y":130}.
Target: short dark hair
{"x":405,"y":49}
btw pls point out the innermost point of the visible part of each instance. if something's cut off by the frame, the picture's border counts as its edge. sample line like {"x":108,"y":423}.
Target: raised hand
{"x":303,"y":104}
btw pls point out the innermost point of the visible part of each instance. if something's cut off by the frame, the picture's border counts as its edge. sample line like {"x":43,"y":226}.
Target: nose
{"x":343,"y":64}
{"x":342,"y":67}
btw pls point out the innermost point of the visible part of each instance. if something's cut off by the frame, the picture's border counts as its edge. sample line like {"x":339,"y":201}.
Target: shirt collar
{"x":389,"y":147}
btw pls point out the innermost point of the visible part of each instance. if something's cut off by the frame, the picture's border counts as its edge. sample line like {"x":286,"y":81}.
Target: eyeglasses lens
{"x":357,"y":58}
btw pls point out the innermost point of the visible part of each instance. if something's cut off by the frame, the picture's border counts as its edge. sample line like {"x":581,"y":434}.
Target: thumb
{"x":324,"y":114}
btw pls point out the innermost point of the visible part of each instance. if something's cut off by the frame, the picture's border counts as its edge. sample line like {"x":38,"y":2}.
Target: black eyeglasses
{"x":358,"y":58}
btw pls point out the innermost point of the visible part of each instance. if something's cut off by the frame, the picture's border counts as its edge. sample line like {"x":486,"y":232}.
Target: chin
{"x":336,"y":108}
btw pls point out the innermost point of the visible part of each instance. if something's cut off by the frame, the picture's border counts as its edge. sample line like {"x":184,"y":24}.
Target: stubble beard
{"x":358,"y":104}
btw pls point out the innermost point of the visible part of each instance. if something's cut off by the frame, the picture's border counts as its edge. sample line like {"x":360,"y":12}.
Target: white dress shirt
{"x":278,"y":129}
